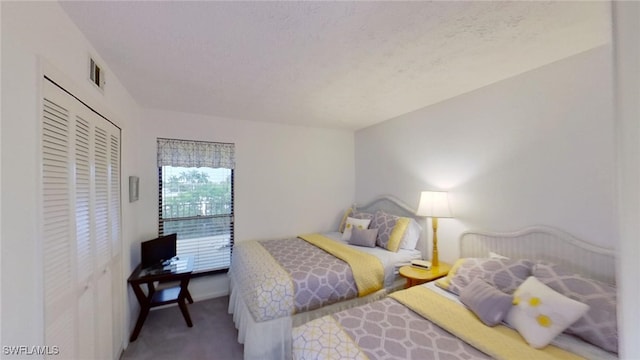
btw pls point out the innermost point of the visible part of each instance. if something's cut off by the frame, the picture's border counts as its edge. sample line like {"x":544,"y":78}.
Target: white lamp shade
{"x":434,"y":204}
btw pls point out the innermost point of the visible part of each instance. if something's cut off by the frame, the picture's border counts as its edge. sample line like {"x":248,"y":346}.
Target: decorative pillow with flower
{"x":353,"y":214}
{"x":352,"y":223}
{"x":539,"y":313}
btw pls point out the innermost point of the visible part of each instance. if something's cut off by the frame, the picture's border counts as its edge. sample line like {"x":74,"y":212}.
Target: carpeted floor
{"x":165,"y":334}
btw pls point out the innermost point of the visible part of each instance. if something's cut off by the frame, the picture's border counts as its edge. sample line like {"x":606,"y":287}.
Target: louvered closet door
{"x":58,"y":265}
{"x":81,"y":228}
{"x":117,"y":288}
{"x":84,"y":236}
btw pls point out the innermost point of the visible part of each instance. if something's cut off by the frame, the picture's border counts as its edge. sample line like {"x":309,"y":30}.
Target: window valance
{"x":190,"y":153}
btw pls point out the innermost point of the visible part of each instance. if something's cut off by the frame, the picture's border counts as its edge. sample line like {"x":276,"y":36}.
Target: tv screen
{"x":154,"y":252}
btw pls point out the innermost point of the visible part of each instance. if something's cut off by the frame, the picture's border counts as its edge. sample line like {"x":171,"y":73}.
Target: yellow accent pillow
{"x":445,"y":282}
{"x":343,"y":222}
{"x":397,"y":233}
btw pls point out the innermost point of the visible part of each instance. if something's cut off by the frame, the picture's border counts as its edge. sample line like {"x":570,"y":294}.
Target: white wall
{"x":39,"y":38}
{"x":627,"y":66}
{"x":534,"y":149}
{"x":288,"y":179}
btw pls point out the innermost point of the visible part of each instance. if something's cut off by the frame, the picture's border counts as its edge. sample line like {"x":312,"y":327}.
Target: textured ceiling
{"x":328,"y":64}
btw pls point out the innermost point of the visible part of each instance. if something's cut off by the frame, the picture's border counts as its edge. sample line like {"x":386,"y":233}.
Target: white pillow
{"x":351,"y":222}
{"x":411,"y":235}
{"x":493,"y":255}
{"x":539,"y":313}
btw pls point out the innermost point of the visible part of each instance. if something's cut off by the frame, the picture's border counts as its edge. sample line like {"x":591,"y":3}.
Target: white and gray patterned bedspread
{"x":383,"y":329}
{"x":282,"y":277}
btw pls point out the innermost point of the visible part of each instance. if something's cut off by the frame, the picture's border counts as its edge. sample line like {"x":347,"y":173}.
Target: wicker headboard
{"x":544,"y":243}
{"x":394,"y":206}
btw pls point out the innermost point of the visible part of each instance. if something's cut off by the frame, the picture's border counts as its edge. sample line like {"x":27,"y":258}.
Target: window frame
{"x":231,"y":215}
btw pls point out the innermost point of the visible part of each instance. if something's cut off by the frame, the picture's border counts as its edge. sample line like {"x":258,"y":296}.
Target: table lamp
{"x":434,"y":204}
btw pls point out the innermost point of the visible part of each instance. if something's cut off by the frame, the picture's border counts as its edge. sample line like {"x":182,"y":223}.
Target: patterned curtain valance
{"x":188,"y":153}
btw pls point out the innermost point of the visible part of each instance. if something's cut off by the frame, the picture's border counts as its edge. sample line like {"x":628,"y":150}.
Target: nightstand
{"x":180,"y":271}
{"x":417,"y":276}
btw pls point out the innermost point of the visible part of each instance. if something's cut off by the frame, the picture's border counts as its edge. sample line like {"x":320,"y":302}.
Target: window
{"x":196,"y":200}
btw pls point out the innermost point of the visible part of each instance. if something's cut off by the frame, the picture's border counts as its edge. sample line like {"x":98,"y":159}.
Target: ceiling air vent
{"x":96,"y":74}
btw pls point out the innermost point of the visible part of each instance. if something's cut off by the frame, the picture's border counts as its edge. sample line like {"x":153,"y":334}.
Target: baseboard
{"x":210,"y":295}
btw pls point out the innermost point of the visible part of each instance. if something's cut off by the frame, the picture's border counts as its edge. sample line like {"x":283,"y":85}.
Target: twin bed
{"x":278,"y":284}
{"x":455,"y":318}
{"x":445,"y":319}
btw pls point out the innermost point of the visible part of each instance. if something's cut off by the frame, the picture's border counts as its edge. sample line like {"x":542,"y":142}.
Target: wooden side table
{"x":416,"y":276}
{"x":179,"y":271}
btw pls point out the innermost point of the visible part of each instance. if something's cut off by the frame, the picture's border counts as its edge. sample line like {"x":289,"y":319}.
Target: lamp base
{"x":434,"y":255}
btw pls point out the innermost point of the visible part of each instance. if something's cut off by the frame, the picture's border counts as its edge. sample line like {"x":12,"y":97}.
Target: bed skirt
{"x":272,"y":339}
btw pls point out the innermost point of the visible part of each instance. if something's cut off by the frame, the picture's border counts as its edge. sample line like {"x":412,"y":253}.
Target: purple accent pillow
{"x":599,"y":326}
{"x":489,"y":304}
{"x":505,"y":275}
{"x":363,"y":237}
{"x":385,"y":224}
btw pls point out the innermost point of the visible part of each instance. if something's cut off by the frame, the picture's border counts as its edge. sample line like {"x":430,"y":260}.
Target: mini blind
{"x":196,"y":200}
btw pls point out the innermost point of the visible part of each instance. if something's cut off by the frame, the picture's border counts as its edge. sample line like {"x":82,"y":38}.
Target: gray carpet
{"x":165,"y":334}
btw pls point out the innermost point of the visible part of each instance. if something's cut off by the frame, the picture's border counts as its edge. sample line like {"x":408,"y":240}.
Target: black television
{"x":155,"y":252}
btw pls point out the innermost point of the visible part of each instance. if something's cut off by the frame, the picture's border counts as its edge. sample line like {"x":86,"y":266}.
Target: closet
{"x":81,"y":229}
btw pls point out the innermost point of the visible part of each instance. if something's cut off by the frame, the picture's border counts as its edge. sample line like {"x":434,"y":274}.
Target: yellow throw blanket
{"x":367,"y":269}
{"x":499,"y":342}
